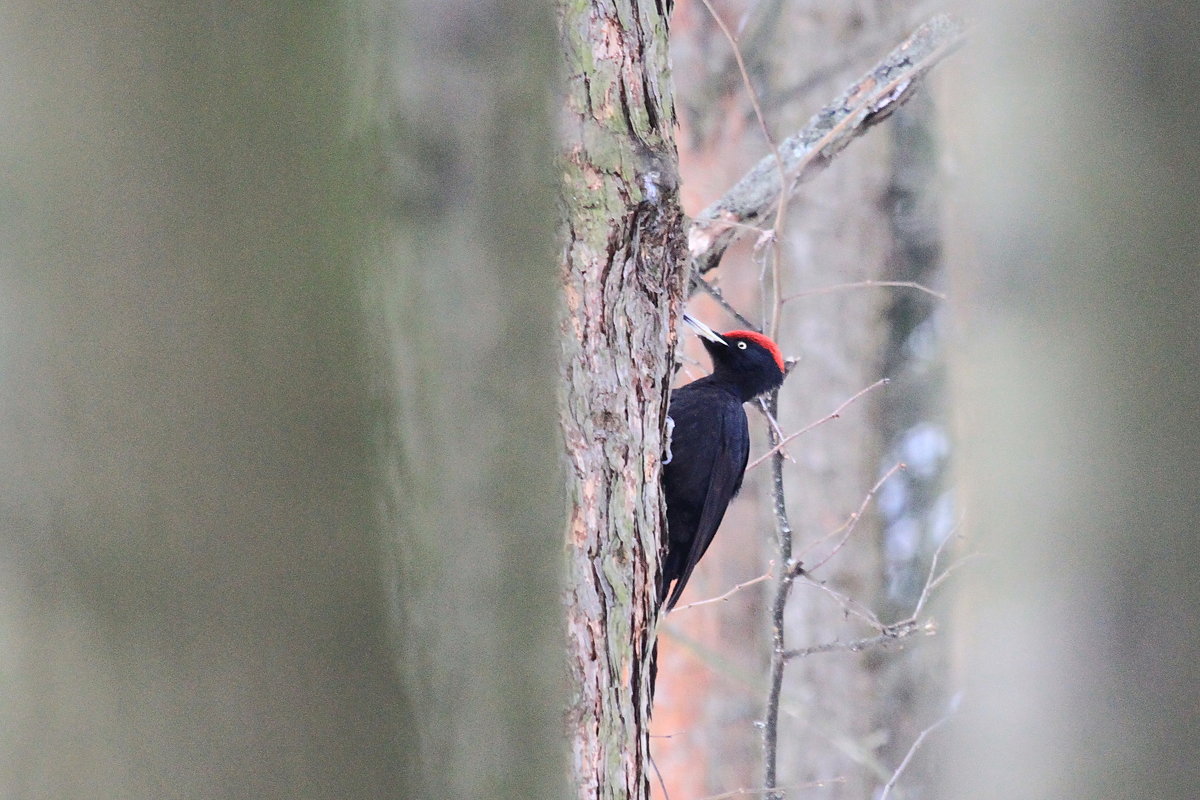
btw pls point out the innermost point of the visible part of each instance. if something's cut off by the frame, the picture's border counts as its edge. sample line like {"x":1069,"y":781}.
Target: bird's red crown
{"x":762,"y":341}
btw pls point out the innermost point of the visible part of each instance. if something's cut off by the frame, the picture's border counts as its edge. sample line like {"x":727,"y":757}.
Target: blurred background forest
{"x":281,"y":494}
{"x":875,"y":216}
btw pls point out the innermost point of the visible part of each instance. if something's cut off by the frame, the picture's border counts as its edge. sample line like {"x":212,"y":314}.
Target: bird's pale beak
{"x":704,"y":331}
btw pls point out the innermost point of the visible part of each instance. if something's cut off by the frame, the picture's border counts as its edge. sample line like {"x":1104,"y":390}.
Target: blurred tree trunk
{"x":466,"y":287}
{"x":1079,"y":371}
{"x":917,"y":509}
{"x":217,"y":439}
{"x":623,"y":275}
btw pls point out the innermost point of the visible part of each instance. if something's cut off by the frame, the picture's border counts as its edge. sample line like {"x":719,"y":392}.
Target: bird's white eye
{"x":741,"y":345}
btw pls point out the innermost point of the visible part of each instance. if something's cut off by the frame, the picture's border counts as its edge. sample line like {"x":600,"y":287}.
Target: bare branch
{"x":891,"y":784}
{"x":852,"y":522}
{"x":890,"y":635}
{"x":868,"y":101}
{"x":715,"y":294}
{"x":721,"y":597}
{"x":835,"y":414}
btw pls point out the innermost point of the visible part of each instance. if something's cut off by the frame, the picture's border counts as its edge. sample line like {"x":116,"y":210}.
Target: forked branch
{"x":868,"y":101}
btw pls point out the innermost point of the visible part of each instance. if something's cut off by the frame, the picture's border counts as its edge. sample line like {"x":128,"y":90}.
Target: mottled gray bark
{"x":753,"y":200}
{"x":623,"y":274}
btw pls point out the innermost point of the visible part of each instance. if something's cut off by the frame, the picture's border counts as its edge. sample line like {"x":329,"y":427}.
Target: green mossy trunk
{"x":623,"y":273}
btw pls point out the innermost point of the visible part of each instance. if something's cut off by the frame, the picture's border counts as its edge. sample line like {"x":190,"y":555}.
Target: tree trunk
{"x":464,"y":289}
{"x":1079,"y":403}
{"x":192,"y":605}
{"x":202,"y":417}
{"x":623,"y":276}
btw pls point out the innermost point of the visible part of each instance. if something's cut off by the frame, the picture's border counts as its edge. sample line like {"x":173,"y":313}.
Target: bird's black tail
{"x":663,"y":587}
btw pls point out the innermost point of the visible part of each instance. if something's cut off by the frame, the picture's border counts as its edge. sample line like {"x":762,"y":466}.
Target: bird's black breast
{"x":710,"y":444}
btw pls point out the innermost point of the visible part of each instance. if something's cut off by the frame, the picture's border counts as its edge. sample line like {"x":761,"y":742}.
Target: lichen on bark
{"x":623,"y":275}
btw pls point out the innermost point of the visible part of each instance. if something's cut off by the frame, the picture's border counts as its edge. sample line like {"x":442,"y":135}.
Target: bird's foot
{"x":670,"y":430}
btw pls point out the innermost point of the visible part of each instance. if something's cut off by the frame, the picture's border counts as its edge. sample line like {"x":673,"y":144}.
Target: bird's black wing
{"x":731,"y":439}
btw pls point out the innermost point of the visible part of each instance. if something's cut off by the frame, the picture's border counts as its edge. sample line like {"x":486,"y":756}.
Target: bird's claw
{"x":670,"y":430}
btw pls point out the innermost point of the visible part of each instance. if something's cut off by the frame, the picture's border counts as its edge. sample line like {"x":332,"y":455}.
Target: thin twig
{"x":932,"y":578}
{"x":776,"y":431}
{"x":741,"y":793}
{"x":954,"y":568}
{"x":835,"y":414}
{"x":716,"y":294}
{"x":781,"y":204}
{"x":721,"y":597}
{"x":749,"y":86}
{"x":891,"y":784}
{"x":850,"y":606}
{"x":892,"y":634}
{"x":748,"y":792}
{"x":868,"y":284}
{"x":852,"y":523}
{"x":661,"y":783}
{"x":668,"y":735}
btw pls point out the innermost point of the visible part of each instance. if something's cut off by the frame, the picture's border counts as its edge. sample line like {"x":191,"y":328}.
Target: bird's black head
{"x":745,"y":360}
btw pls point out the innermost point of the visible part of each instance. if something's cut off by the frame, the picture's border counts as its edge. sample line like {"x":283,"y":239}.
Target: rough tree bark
{"x":623,"y":272}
